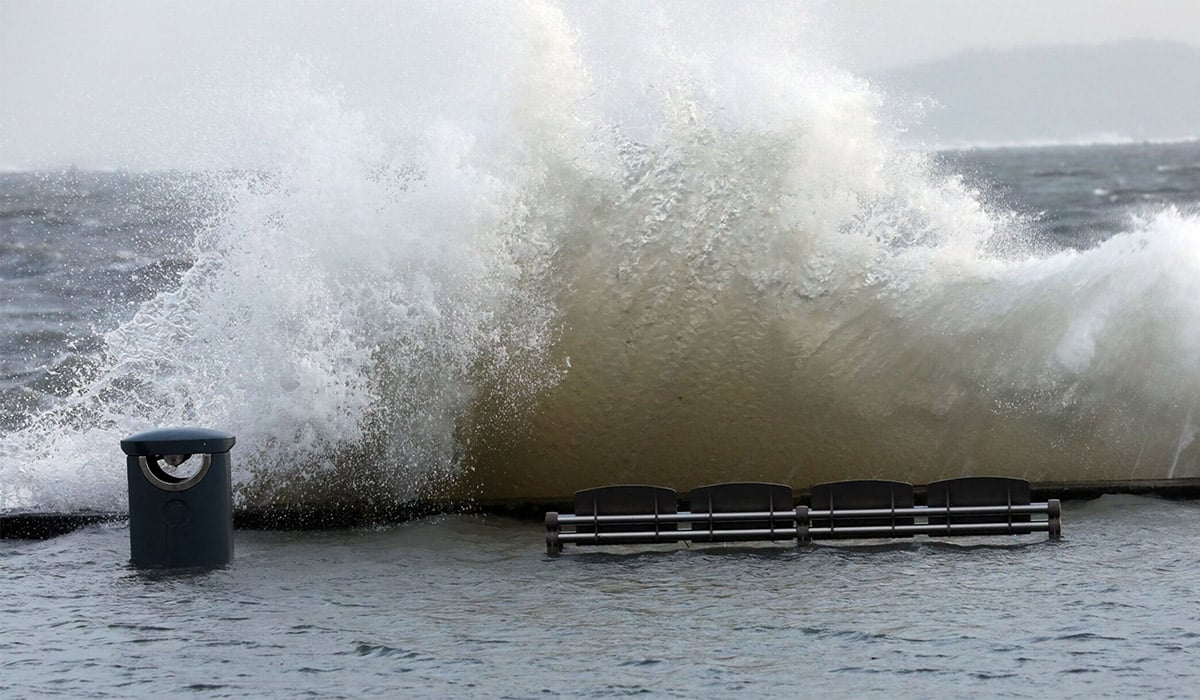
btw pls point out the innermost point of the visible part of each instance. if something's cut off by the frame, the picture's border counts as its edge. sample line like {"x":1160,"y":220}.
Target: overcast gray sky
{"x":149,"y":82}
{"x":881,"y":34}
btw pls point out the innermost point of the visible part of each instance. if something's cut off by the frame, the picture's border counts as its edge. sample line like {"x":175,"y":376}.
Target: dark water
{"x":78,"y":252}
{"x":463,"y":606}
{"x":1079,"y":196}
{"x":471,"y":606}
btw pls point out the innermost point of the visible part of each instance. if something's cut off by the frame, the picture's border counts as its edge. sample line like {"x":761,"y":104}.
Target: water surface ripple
{"x":472,"y":606}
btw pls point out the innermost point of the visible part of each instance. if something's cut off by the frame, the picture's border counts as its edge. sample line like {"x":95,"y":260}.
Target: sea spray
{"x":794,"y":298}
{"x":714,"y":264}
{"x":341,"y":313}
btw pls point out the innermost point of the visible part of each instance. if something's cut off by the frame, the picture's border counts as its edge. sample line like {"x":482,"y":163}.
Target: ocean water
{"x":583,"y":252}
{"x":472,"y":607}
{"x":1060,"y":347}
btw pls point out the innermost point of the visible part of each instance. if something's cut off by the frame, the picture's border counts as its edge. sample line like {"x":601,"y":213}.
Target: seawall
{"x":32,"y":525}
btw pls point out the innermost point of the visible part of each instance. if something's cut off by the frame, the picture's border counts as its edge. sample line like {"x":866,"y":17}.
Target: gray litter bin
{"x":180,"y":497}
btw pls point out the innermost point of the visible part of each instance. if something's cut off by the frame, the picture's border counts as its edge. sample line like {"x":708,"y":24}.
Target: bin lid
{"x":178,"y":441}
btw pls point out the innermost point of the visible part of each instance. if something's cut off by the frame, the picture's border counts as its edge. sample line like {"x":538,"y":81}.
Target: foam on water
{"x":628,"y":258}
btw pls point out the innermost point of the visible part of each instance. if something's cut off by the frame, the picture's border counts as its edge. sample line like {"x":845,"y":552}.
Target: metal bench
{"x":742,"y":497}
{"x":752,"y":511}
{"x":844,"y":499}
{"x":977,"y":491}
{"x":605,"y":502}
{"x":740,"y":511}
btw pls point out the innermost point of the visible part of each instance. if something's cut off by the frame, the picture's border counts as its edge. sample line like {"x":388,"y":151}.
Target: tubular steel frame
{"x":795,"y":524}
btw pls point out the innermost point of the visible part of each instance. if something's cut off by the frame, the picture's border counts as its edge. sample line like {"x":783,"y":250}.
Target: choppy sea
{"x":544,"y":248}
{"x":471,"y":606}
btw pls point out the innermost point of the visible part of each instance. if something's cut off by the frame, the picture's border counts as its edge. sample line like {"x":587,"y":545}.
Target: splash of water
{"x":794,"y":305}
{"x":736,"y":276}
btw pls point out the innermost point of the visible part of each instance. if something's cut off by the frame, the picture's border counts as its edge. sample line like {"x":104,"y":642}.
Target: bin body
{"x":180,"y":520}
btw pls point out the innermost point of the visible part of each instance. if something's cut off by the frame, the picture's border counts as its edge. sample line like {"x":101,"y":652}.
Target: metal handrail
{"x":690,"y":517}
{"x":680,"y":517}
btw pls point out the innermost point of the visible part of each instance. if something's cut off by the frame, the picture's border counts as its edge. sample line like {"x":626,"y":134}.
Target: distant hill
{"x":1140,"y":90}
